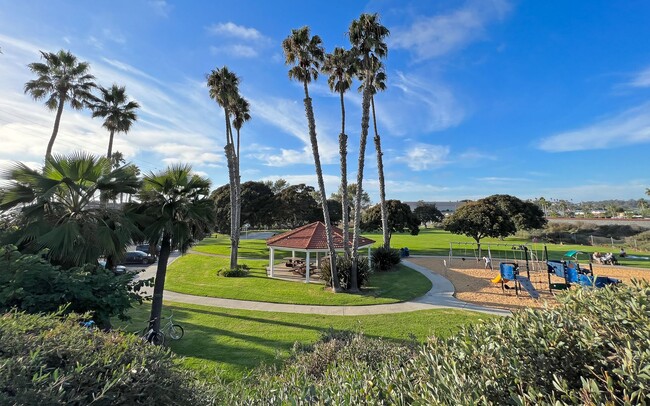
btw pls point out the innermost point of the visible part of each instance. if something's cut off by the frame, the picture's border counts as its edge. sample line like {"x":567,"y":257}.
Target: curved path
{"x":439,"y":297}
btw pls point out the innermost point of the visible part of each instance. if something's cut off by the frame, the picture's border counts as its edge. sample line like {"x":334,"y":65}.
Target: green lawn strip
{"x":229,"y":343}
{"x":196,"y":274}
{"x":220,"y":245}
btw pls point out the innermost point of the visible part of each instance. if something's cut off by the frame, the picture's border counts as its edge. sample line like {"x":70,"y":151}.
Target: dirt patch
{"x":474,"y":284}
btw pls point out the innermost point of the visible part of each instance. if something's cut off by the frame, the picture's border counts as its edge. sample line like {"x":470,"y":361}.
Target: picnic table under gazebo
{"x":310,"y":239}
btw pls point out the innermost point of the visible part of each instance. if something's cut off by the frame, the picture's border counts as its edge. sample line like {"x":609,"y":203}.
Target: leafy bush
{"x":592,"y":348}
{"x":384,"y":259}
{"x":344,"y":267}
{"x":52,"y":360}
{"x":241,"y":270}
{"x":30,"y":283}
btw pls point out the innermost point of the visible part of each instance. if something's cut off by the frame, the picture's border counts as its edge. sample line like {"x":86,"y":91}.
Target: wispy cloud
{"x":432,"y":36}
{"x":501,"y":179}
{"x":236,"y":50}
{"x":421,"y":157}
{"x":247,"y":42}
{"x":642,"y":79}
{"x":628,"y":128}
{"x":160,"y":7}
{"x":233,"y":30}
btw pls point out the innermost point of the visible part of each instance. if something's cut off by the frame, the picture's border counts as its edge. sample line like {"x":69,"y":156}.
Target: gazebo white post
{"x":317,"y":260}
{"x":369,"y":258}
{"x":272,"y":260}
{"x":307,"y":273}
{"x":293,"y":253}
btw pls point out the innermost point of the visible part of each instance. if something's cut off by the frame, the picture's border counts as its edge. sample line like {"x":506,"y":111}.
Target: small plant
{"x":241,"y":271}
{"x":383,"y":259}
{"x":344,"y":266}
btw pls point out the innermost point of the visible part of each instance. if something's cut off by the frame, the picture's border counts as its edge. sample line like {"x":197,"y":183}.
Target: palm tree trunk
{"x":382,"y":184}
{"x":365,"y":119}
{"x":230,"y":158}
{"x":311,"y":122}
{"x":110,"y":145}
{"x":159,"y":284}
{"x":55,"y":130}
{"x":343,"y":151}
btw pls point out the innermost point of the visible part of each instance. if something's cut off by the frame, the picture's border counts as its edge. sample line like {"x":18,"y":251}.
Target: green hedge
{"x":48,"y":360}
{"x":594,"y":348}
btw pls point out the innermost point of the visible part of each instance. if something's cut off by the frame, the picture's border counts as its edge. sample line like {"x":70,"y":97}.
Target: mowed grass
{"x":220,"y":245}
{"x":228,"y":343}
{"x":196,"y":274}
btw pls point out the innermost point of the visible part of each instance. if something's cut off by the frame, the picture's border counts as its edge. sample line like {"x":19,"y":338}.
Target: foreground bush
{"x":240,"y":271}
{"x":344,"y":267}
{"x":383,"y":259}
{"x":591,"y":349}
{"x":45,"y":360}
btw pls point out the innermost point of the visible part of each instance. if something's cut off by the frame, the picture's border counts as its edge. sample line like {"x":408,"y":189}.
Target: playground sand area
{"x":473,"y":284}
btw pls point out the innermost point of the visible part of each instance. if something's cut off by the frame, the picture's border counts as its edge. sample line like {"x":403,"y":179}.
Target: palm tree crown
{"x":224,"y":86}
{"x":367,"y":36}
{"x":61,"y":79}
{"x":341,"y":67}
{"x":116,"y":109}
{"x":305,"y":52}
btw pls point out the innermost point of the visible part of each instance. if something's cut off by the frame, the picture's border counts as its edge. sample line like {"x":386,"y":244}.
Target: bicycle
{"x":175,"y":331}
{"x":151,"y":336}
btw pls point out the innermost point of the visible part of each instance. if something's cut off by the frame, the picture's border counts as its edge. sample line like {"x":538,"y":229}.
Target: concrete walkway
{"x":439,"y":297}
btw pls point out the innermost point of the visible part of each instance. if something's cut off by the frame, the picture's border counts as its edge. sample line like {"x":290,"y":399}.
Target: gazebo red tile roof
{"x":312,"y":237}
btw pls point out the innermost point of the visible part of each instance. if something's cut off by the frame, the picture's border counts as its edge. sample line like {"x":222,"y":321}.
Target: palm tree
{"x":117,"y":110}
{"x":224,"y":89}
{"x":175,"y":211}
{"x":367,"y":37}
{"x":306,"y":53}
{"x":340,"y":66}
{"x":240,"y":111}
{"x":61,"y":79}
{"x":60,"y":209}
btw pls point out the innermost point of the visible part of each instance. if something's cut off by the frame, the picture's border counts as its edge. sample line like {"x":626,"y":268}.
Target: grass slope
{"x":228,"y":343}
{"x":197,"y":275}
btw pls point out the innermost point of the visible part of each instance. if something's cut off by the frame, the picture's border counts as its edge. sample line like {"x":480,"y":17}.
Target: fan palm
{"x":61,"y":79}
{"x":224,"y":89}
{"x":116,"y":109}
{"x":240,"y":111}
{"x":174,"y":211}
{"x":340,"y":65}
{"x":306,"y":54}
{"x":61,"y":212}
{"x":367,"y":37}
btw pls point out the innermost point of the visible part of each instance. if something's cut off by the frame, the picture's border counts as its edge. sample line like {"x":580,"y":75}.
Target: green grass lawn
{"x":220,"y":245}
{"x":197,"y":275}
{"x":229,"y":342}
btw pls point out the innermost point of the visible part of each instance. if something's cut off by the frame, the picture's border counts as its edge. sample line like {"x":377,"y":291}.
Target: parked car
{"x":145,"y":248}
{"x":138,"y":257}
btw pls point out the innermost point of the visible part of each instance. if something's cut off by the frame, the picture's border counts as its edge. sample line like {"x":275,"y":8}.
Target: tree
{"x":224,"y":89}
{"x":61,"y":79}
{"x":257,"y":204}
{"x":367,"y":37}
{"x":427,"y":213}
{"x":174,"y":212}
{"x":305,"y":53}
{"x":400,"y":217}
{"x":221,"y":199}
{"x":116,"y":109}
{"x":296,"y":206}
{"x":60,"y":212}
{"x":478,"y":220}
{"x":341,"y":67}
{"x":526,"y":215}
{"x":336,"y":214}
{"x":277,"y":186}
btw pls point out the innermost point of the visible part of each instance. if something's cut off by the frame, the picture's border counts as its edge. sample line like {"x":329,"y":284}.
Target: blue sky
{"x":530,"y":98}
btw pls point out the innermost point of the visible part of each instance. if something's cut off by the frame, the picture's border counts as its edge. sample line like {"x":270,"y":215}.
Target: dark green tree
{"x":526,"y":215}
{"x":478,"y":220}
{"x":427,"y":213}
{"x":258,"y":204}
{"x":400,"y":218}
{"x":296,"y":206}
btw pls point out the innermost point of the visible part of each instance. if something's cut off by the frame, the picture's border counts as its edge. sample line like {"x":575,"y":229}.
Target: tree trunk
{"x":55,"y":130}
{"x":159,"y":284}
{"x":478,"y":248}
{"x":365,"y":119}
{"x":382,"y":184}
{"x":232,"y":179}
{"x":343,"y":152}
{"x":110,"y":144}
{"x":311,"y":122}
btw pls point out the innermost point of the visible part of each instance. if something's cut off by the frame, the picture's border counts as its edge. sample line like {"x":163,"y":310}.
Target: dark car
{"x":145,"y":248}
{"x":138,"y":257}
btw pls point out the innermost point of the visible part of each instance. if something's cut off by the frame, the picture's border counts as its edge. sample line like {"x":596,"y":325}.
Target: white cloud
{"x":160,"y":7}
{"x":236,"y":50}
{"x":421,"y":157}
{"x":432,"y":36}
{"x":628,"y":128}
{"x":233,"y":30}
{"x":472,"y":155}
{"x":642,"y":79}
{"x":501,"y":179}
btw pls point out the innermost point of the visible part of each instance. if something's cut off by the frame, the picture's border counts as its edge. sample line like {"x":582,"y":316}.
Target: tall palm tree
{"x":224,"y":89}
{"x":61,"y":79}
{"x":367,"y":37}
{"x":306,"y":54}
{"x":340,"y":65}
{"x":240,"y":111}
{"x":175,"y":210}
{"x":118,"y":112}
{"x":60,"y":209}
{"x":377,"y":82}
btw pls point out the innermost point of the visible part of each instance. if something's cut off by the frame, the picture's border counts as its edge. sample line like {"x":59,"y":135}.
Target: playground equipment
{"x":569,"y":269}
{"x":509,"y":271}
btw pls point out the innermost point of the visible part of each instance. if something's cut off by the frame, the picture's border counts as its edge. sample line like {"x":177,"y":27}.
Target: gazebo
{"x":309,"y":239}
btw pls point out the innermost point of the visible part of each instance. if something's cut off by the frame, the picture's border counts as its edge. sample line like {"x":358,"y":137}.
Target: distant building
{"x":445,"y":208}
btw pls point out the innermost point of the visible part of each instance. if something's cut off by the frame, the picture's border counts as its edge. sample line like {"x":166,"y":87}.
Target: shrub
{"x":241,"y":270}
{"x":592,"y":348}
{"x":52,"y":360}
{"x":344,"y":267}
{"x":384,"y":259}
